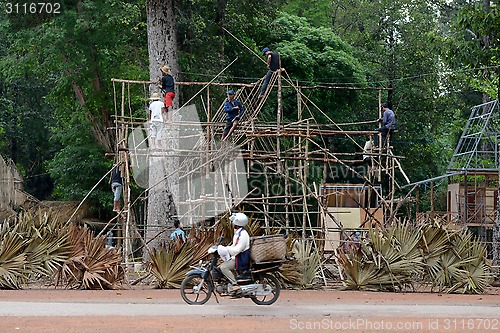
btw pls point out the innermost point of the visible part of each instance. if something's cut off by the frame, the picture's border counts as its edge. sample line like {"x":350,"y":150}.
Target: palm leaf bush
{"x":91,"y":264}
{"x":388,"y":260}
{"x":462,"y":268}
{"x":307,"y":262}
{"x":31,"y":248}
{"x":171,"y":261}
{"x":404,"y":256}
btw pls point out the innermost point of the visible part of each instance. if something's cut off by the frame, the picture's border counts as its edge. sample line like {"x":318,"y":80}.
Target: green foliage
{"x":318,"y":13}
{"x":78,"y":166}
{"x":314,"y":54}
{"x":474,"y":43}
{"x":48,"y":62}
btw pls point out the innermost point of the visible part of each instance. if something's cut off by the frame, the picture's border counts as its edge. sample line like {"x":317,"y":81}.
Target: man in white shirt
{"x":239,"y":250}
{"x":156,"y":120}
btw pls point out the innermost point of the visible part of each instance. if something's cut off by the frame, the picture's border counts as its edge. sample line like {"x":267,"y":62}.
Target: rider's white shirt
{"x":240,"y":245}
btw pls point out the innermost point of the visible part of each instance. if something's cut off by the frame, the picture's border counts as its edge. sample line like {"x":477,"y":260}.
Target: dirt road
{"x":148,"y":310}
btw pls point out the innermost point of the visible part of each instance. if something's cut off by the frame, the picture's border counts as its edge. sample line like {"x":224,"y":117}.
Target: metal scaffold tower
{"x":477,"y":148}
{"x":473,"y":170}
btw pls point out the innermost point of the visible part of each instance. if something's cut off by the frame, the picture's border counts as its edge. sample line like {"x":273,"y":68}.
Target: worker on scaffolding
{"x":273,"y":64}
{"x":115,"y":179}
{"x":387,"y":129}
{"x":234,"y":110}
{"x":167,"y":86}
{"x":388,"y":125}
{"x":156,"y":116}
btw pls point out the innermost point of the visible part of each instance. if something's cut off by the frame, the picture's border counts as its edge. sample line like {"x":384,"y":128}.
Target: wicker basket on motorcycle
{"x":267,"y":248}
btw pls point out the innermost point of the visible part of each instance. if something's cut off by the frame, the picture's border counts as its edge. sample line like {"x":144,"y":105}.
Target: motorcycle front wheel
{"x":268,"y":281}
{"x":195,"y":291}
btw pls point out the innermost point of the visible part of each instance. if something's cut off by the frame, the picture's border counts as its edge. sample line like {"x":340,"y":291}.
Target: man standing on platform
{"x":388,"y":124}
{"x":273,"y":64}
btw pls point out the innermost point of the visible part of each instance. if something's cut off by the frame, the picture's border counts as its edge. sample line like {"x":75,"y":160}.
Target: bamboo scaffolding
{"x":285,"y":151}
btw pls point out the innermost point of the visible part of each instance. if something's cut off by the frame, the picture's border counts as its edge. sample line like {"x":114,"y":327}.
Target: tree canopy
{"x":56,"y":95}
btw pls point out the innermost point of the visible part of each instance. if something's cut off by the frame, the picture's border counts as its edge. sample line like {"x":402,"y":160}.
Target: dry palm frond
{"x":290,"y":274}
{"x":394,"y":250}
{"x":362,"y":275}
{"x":400,"y":255}
{"x":91,"y":265}
{"x":48,"y":247}
{"x":12,"y":259}
{"x":471,"y":260}
{"x":31,"y":248}
{"x":455,"y":262}
{"x":253,"y":227}
{"x":435,"y":240}
{"x":171,"y":261}
{"x":390,"y":259}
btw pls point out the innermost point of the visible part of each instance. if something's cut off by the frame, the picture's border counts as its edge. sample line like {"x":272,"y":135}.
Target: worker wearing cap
{"x":156,"y":119}
{"x":168,"y":87}
{"x":273,"y":64}
{"x":388,"y":125}
{"x":234,"y":110}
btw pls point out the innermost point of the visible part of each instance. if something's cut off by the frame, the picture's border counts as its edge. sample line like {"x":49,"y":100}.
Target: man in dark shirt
{"x":234,"y":110}
{"x":273,"y":64}
{"x":388,"y":124}
{"x":115,"y":180}
{"x":168,"y":88}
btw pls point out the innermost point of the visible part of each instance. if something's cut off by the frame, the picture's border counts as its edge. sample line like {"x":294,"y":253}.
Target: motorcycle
{"x":259,"y":283}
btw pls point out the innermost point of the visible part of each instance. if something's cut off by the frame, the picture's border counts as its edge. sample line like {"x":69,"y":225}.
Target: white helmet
{"x":239,"y":219}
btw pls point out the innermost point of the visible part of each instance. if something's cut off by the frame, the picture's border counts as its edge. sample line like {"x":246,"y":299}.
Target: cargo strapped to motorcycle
{"x":269,"y":248}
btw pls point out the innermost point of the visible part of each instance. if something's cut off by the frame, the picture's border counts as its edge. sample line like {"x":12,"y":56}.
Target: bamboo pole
{"x":266,"y":201}
{"x":255,"y":135}
{"x":278,"y":124}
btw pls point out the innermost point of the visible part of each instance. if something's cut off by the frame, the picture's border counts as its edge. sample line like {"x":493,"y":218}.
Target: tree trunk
{"x":163,"y":180}
{"x":162,"y":40}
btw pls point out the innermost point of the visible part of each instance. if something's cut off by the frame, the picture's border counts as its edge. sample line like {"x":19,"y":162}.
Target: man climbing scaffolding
{"x":116,"y":182}
{"x":168,"y":87}
{"x":388,"y":125}
{"x":273,"y":64}
{"x":234,"y":110}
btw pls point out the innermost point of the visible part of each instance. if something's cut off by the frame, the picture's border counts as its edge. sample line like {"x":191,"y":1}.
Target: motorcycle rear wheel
{"x":194,"y":292}
{"x":268,"y":280}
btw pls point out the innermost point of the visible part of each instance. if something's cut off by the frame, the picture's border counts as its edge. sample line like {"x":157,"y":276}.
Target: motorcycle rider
{"x":239,"y":251}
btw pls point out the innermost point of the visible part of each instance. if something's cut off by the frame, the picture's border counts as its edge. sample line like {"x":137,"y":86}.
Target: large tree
{"x":64,"y":63}
{"x":162,"y":50}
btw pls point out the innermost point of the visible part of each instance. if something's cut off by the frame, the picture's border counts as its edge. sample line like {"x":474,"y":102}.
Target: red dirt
{"x":274,"y":319}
